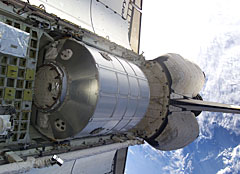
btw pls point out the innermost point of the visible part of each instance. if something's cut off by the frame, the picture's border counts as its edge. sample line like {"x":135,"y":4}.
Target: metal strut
{"x":199,"y":105}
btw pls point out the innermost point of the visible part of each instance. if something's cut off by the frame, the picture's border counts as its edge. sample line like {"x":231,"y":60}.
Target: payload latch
{"x":57,"y":160}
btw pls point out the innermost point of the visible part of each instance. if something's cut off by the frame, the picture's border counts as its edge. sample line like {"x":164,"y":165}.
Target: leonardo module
{"x":74,"y":88}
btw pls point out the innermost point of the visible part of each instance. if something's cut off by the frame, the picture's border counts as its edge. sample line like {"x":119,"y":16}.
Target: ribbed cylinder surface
{"x":105,"y":94}
{"x":123,"y":95}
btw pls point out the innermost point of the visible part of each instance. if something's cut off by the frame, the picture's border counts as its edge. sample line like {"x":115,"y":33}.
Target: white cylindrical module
{"x":89,"y":92}
{"x":123,"y":95}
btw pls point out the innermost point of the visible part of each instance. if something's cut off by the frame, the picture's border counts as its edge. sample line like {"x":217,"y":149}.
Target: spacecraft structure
{"x":74,"y":88}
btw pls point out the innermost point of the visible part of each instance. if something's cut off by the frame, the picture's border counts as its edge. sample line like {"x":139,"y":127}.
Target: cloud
{"x":179,"y":162}
{"x":209,"y":156}
{"x":212,"y":40}
{"x":220,"y":62}
{"x":131,"y":151}
{"x":231,"y":160}
{"x":173,"y":162}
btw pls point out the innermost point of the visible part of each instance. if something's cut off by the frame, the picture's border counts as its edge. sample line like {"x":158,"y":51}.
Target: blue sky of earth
{"x":207,"y":33}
